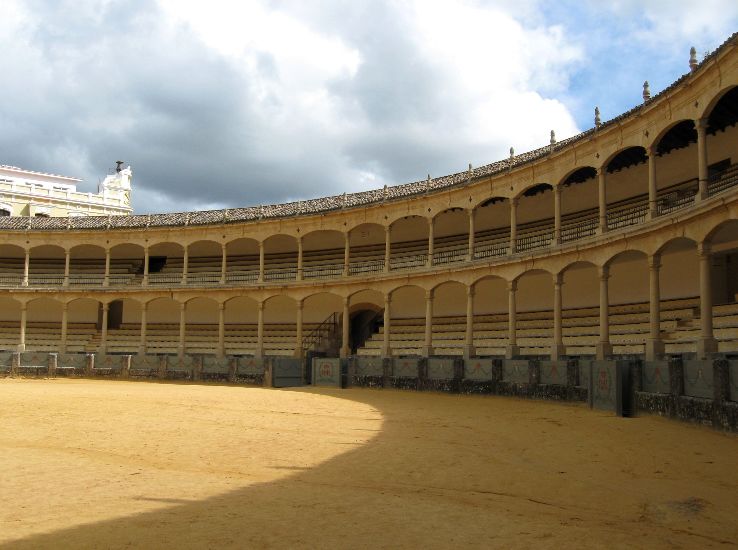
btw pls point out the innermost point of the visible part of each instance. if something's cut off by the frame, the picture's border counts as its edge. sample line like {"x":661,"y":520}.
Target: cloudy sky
{"x":222,"y":103}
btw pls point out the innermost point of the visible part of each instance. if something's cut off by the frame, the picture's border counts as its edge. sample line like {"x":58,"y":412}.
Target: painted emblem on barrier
{"x":603,"y":382}
{"x":326,"y":370}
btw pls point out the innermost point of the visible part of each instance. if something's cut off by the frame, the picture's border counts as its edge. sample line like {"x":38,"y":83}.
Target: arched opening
{"x":280,"y":258}
{"x":321,"y":325}
{"x":535,"y":218}
{"x":166,"y":262}
{"x":84,"y":323}
{"x":675,"y":167}
{"x":492,"y":228}
{"x":490,"y":317}
{"x":12,"y":260}
{"x":580,"y":301}
{"x":626,"y":187}
{"x":201,"y":326}
{"x":722,"y":142}
{"x":46,"y":265}
{"x":366,"y":320}
{"x":450,"y":236}
{"x":162,"y":326}
{"x":126,"y":264}
{"x":724,"y":265}
{"x":679,"y":277}
{"x":242,"y":261}
{"x":280,"y":327}
{"x":366,"y":249}
{"x":407,"y":321}
{"x":204,"y":262}
{"x":125,"y":336}
{"x":323,"y":253}
{"x":87,"y":265}
{"x":579,"y":204}
{"x":534,"y":313}
{"x":10,"y":314}
{"x":43,"y":324}
{"x":449,"y":318}
{"x":240,"y":326}
{"x":628,"y":297}
{"x":409,"y":242}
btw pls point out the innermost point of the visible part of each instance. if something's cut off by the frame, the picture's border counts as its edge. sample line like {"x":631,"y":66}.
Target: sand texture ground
{"x":112,"y":464}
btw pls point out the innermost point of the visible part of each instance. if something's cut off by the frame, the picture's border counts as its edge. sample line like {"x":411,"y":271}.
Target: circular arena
{"x":601,"y":269}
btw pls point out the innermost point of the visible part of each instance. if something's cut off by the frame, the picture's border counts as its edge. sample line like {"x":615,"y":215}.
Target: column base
{"x":511,"y":352}
{"x":469,"y":351}
{"x":298,"y":352}
{"x":557,"y":351}
{"x":344,"y":352}
{"x":654,"y":350}
{"x":386,"y":353}
{"x":701,"y":192}
{"x":604,"y":350}
{"x":706,"y":347}
{"x":21,"y":348}
{"x":427,"y":351}
{"x":142,"y":350}
{"x":259,"y":353}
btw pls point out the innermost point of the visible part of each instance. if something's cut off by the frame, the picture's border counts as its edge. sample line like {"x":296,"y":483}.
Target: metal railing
{"x":536,"y":240}
{"x":676,"y":199}
{"x":450,"y":256}
{"x":409,"y":261}
{"x":491,"y":250}
{"x":630,"y":215}
{"x":366,"y":266}
{"x":322,"y":271}
{"x":579,"y":229}
{"x":723,"y":180}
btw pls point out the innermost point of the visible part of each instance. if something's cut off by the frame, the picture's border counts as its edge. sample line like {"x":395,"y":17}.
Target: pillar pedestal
{"x":706,"y":347}
{"x":511,"y":352}
{"x":469,"y":351}
{"x":427,"y":351}
{"x":557,"y":351}
{"x":654,"y":350}
{"x":604,"y":350}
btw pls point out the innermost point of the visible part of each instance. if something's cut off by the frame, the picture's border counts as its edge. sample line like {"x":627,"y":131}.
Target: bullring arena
{"x":601,"y":269}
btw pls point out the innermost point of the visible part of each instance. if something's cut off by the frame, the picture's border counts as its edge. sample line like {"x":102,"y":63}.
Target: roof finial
{"x":646,"y":91}
{"x":693,"y":59}
{"x":512,"y":155}
{"x":598,"y":120}
{"x":553,"y":138}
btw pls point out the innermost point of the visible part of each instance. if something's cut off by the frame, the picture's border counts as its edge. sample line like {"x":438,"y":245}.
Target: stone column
{"x":604,"y":349}
{"x":104,"y":329}
{"x":557,"y":349}
{"x":557,"y":216}
{"x":602,"y":198}
{"x":345,"y":329}
{"x":513,"y":225}
{"x":106,"y":277}
{"x":346,"y":253}
{"x":142,"y":341}
{"x":221,"y":330}
{"x":512,"y":345}
{"x":185,"y":264}
{"x":67,"y":261}
{"x":387,"y":248}
{"x":26,"y":267}
{"x":260,"y":331}
{"x":65,"y":315}
{"x":182,"y":328}
{"x":654,"y":345}
{"x":299,"y":259}
{"x":298,"y":334}
{"x":261,"y":261}
{"x":652,"y":184}
{"x":701,"y":126}
{"x":223,"y":262}
{"x":472,"y":236}
{"x":469,"y":350}
{"x":707,"y":343}
{"x":431,"y":225}
{"x":428,"y":341}
{"x":386,"y":347}
{"x":22,"y":335}
{"x":146,"y":267}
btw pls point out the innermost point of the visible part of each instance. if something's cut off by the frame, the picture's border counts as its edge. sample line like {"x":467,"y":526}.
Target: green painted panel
{"x":479,"y":369}
{"x":326,"y":371}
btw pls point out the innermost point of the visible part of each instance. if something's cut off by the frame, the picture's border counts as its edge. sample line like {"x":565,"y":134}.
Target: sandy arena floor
{"x":109,"y":464}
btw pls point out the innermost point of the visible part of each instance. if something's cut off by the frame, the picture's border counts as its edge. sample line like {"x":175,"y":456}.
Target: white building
{"x":29,"y":193}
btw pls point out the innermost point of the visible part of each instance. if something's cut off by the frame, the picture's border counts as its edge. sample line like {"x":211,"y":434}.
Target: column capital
{"x":260,"y":306}
{"x":704,"y":249}
{"x":700,"y":124}
{"x":300,"y":304}
{"x":346,"y":301}
{"x":182,"y":306}
{"x":604,"y":272}
{"x":388,"y":299}
{"x":387,"y":229}
{"x":654,"y":261}
{"x":512,"y":286}
{"x":105,"y":306}
{"x":429,"y":294}
{"x":514,"y":202}
{"x":470,"y":291}
{"x":558,"y":279}
{"x":223,"y":246}
{"x":221,"y":306}
{"x":65,"y":306}
{"x":24,"y":306}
